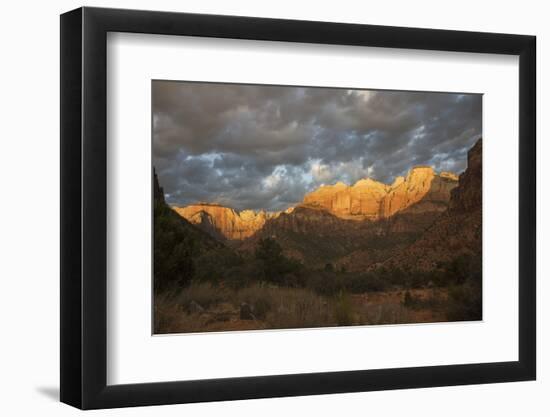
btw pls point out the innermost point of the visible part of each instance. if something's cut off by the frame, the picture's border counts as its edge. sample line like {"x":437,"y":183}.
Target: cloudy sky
{"x":264,"y":147}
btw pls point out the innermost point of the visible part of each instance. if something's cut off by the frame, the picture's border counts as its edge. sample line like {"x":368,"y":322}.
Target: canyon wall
{"x":422,"y":190}
{"x":224,"y":222}
{"x":458,"y":231}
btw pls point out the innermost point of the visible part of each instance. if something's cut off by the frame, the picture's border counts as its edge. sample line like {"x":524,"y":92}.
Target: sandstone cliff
{"x":422,"y":190}
{"x":358,"y":202}
{"x":224,"y":222}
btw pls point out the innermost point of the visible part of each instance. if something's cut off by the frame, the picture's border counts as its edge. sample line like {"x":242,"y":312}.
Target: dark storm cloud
{"x":264,"y":147}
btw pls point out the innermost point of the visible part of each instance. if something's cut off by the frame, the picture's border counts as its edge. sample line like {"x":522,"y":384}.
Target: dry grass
{"x":280,"y":308}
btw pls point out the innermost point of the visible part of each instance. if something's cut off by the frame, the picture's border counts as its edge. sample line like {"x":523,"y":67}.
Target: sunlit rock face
{"x":422,"y":190}
{"x":365,"y":198}
{"x":224,"y":222}
{"x":330,"y":197}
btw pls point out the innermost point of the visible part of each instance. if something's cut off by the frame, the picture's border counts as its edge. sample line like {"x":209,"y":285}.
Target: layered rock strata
{"x":225,"y":222}
{"x":372,"y":200}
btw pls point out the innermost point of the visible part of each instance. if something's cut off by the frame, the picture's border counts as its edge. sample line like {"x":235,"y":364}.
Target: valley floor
{"x":204,"y":308}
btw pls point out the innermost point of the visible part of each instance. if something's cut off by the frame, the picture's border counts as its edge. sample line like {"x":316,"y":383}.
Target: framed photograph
{"x":257,"y":208}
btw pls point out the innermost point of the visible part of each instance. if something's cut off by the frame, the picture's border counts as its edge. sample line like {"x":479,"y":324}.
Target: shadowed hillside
{"x":458,"y":231}
{"x":178,"y":245}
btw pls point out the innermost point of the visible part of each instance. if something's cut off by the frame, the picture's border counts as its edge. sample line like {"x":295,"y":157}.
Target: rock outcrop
{"x":224,"y":222}
{"x":457,"y":231}
{"x":467,"y":197}
{"x":338,"y":220}
{"x":358,"y":202}
{"x":422,"y":190}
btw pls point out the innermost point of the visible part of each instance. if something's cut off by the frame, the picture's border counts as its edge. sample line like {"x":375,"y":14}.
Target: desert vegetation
{"x":223,"y":291}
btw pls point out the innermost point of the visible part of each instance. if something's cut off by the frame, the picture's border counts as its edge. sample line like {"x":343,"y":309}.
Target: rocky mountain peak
{"x":419,"y":174}
{"x":370,"y":183}
{"x":226,"y":221}
{"x":422,"y":190}
{"x":368,"y":199}
{"x":397,"y":181}
{"x":332,"y":187}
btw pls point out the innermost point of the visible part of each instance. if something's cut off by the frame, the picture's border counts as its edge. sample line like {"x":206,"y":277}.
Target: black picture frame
{"x":84,"y":207}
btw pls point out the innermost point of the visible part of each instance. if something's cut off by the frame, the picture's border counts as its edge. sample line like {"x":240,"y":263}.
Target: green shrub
{"x":277,"y":268}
